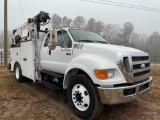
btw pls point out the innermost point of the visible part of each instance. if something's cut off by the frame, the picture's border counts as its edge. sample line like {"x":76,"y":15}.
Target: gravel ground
{"x":30,"y":101}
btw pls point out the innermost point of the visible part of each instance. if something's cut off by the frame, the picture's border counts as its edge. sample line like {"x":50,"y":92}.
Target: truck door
{"x":45,"y":52}
{"x":59,"y":58}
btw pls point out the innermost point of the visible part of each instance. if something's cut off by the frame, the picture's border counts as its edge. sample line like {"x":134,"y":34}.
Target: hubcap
{"x":80,"y":97}
{"x":17,"y":72}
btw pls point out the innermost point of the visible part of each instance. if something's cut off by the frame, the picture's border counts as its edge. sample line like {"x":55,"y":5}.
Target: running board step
{"x":56,"y":75}
{"x":50,"y":85}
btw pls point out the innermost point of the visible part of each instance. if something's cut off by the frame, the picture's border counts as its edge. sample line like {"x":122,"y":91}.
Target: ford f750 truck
{"x":91,"y":71}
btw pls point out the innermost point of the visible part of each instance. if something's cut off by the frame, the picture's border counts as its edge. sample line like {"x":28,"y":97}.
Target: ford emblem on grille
{"x":143,"y":66}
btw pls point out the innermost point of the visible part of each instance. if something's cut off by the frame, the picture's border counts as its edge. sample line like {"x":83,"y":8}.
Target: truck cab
{"x":119,"y":73}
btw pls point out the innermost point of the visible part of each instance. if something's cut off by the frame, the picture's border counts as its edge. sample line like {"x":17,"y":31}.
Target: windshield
{"x":86,"y":36}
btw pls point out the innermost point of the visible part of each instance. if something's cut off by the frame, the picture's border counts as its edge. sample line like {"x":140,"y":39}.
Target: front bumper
{"x":125,"y":94}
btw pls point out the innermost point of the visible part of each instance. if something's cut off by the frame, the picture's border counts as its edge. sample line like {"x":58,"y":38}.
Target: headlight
{"x":110,"y":73}
{"x":103,"y":74}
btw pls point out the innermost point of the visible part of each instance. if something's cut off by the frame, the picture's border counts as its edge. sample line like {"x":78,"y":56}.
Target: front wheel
{"x":18,"y":72}
{"x":83,"y":97}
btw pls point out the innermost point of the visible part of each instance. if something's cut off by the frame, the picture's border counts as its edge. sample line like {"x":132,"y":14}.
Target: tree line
{"x":114,"y":33}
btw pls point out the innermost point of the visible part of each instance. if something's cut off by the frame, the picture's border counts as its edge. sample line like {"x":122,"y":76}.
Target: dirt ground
{"x":30,"y":101}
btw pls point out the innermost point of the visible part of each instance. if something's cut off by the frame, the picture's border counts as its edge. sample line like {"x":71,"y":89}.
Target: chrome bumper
{"x":117,"y":95}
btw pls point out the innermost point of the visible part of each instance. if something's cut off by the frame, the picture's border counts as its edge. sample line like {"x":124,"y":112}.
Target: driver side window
{"x":47,"y":40}
{"x":63,"y":39}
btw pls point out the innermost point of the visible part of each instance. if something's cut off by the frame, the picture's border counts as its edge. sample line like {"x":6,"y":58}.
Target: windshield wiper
{"x":86,"y":41}
{"x":101,"y":42}
{"x":93,"y":41}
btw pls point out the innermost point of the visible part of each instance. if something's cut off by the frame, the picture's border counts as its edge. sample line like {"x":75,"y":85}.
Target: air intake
{"x":126,"y":64}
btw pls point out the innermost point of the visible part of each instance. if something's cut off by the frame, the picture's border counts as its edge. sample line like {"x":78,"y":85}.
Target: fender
{"x":13,"y":65}
{"x":88,"y":63}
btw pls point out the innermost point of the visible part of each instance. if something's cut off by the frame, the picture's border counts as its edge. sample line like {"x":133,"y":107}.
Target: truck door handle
{"x":25,"y":59}
{"x":49,"y":52}
{"x":68,"y":53}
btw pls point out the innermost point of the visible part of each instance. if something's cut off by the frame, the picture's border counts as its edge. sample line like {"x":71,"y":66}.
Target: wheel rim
{"x":17,"y":72}
{"x":80,"y":97}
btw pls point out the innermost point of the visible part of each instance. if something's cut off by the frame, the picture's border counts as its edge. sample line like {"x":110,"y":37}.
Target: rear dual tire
{"x":18,"y":72}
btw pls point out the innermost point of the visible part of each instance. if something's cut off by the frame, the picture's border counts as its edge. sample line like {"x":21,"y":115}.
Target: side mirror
{"x":53,"y":39}
{"x":53,"y":35}
{"x":52,"y":46}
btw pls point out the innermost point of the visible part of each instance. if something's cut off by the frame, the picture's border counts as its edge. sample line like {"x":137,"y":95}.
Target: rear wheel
{"x":18,"y":72}
{"x":83,"y":97}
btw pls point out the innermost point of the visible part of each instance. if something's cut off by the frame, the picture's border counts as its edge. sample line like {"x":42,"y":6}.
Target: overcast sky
{"x":143,"y":21}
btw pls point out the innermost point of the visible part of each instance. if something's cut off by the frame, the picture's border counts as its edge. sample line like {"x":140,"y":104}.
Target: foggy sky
{"x":143,"y":21}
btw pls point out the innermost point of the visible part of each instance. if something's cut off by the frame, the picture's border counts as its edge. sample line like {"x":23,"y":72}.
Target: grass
{"x":30,"y":101}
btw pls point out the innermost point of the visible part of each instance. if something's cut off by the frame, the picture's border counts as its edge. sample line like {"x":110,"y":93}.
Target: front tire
{"x":83,"y":97}
{"x":18,"y":72}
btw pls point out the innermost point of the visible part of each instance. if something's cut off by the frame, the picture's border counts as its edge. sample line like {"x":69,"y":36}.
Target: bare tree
{"x":91,"y":24}
{"x":79,"y":22}
{"x":64,"y":21}
{"x":99,"y":27}
{"x":69,"y":22}
{"x":109,"y":32}
{"x":2,"y":38}
{"x":56,"y":21}
{"x":153,"y":44}
{"x":139,"y":41}
{"x":127,"y":31}
{"x":113,"y":34}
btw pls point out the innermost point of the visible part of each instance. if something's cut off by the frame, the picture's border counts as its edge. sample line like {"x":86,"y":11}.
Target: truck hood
{"x":110,"y":48}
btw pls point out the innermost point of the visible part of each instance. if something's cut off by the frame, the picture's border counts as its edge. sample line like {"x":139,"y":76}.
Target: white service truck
{"x":91,"y":71}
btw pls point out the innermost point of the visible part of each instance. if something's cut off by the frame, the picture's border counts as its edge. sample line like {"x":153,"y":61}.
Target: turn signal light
{"x":101,"y":74}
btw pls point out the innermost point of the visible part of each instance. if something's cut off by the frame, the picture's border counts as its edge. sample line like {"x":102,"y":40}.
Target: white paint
{"x":90,"y":57}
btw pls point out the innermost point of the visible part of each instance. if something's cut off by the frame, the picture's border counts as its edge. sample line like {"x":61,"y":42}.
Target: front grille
{"x":138,"y":66}
{"x":140,"y":58}
{"x":141,"y":67}
{"x":141,"y":73}
{"x":135,"y":67}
